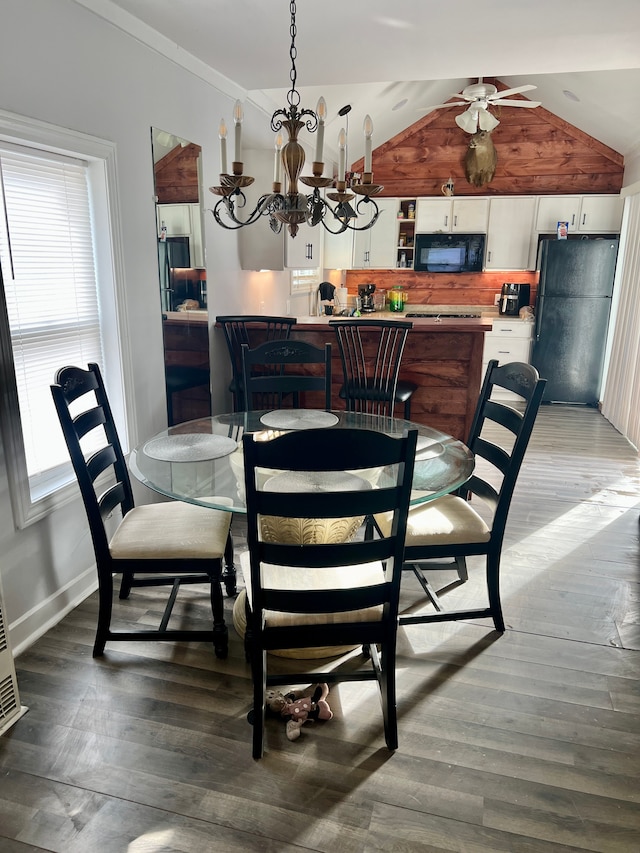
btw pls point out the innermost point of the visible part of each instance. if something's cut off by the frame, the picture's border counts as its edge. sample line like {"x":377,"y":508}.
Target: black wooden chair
{"x":152,"y":545}
{"x":251,"y":330}
{"x":371,"y":353}
{"x":450,"y":527}
{"x":266,"y":380}
{"x":305,"y":594}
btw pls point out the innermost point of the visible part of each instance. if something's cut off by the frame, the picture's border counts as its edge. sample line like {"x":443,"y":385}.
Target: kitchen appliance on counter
{"x":572,"y":317}
{"x":365,"y":292}
{"x":513,"y":297}
{"x":326,"y":297}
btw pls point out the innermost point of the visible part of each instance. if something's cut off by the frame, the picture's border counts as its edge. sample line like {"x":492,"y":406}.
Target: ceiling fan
{"x":479,"y":97}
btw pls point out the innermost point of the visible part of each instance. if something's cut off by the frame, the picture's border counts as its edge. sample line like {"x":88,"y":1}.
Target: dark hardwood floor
{"x":524,"y":742}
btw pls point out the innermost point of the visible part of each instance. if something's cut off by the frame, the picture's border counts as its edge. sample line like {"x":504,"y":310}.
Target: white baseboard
{"x":37,"y":621}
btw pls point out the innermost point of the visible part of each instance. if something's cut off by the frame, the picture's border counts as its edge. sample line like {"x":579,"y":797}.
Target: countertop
{"x":435,"y":323}
{"x":186,"y":317}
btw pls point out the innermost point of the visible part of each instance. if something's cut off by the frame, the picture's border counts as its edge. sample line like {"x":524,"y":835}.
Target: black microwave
{"x":450,"y":253}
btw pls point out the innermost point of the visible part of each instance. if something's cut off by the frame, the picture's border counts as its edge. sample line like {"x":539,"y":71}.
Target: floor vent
{"x":10,"y":708}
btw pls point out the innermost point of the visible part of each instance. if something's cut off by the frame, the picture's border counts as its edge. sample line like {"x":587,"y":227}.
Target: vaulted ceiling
{"x":393,"y":60}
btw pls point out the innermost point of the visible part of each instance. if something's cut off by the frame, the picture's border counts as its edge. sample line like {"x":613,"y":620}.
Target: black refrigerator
{"x":572,"y":317}
{"x":173,"y":252}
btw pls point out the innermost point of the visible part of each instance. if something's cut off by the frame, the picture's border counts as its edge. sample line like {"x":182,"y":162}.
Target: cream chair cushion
{"x":288,"y":577}
{"x":171,"y":530}
{"x":449,"y":520}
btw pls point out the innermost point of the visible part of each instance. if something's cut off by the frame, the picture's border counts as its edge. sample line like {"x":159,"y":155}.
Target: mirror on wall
{"x":182,"y":276}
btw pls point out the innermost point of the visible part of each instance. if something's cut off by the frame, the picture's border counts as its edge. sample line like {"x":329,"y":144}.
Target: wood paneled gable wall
{"x":177,"y":175}
{"x":538,"y":154}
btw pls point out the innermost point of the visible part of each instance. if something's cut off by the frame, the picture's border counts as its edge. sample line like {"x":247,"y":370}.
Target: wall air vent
{"x":10,"y":708}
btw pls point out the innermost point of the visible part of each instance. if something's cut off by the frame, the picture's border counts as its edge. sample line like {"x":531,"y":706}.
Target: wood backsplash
{"x":423,"y":288}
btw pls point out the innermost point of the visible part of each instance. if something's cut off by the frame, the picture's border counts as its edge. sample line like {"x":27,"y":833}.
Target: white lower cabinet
{"x":510,"y":339}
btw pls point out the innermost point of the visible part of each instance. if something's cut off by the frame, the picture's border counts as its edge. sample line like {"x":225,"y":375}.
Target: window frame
{"x":103,"y":188}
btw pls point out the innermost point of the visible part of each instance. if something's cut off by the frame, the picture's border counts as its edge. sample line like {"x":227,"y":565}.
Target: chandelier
{"x":291,"y":207}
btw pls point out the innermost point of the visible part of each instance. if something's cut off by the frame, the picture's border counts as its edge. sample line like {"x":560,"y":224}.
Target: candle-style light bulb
{"x":342,"y":145}
{"x":321,"y":112}
{"x":222,"y":133}
{"x":277,"y":163}
{"x":368,"y":131}
{"x":237,"y":118}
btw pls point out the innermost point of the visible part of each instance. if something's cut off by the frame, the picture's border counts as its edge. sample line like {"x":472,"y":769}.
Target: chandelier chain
{"x":293,"y":96}
{"x":286,"y":205}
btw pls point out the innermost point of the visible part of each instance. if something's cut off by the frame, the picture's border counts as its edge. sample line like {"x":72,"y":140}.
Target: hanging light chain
{"x":293,"y":96}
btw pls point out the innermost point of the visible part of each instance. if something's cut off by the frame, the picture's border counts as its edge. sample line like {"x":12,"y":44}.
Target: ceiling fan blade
{"x":487,"y":121}
{"x":516,"y":91}
{"x":438,"y":106}
{"x":501,"y":102}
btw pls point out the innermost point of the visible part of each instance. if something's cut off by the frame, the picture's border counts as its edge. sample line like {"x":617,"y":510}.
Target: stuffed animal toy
{"x":300,"y":706}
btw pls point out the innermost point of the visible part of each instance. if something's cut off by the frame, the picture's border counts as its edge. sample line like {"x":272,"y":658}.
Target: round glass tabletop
{"x":201,"y":461}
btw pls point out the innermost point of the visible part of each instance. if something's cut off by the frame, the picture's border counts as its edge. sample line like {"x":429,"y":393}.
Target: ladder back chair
{"x":160,"y":544}
{"x":450,"y":527}
{"x":265,"y":378}
{"x":303,"y":594}
{"x":251,"y":330}
{"x":371,"y":353}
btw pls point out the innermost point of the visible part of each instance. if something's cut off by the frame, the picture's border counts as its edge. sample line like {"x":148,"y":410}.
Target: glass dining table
{"x":201,"y":461}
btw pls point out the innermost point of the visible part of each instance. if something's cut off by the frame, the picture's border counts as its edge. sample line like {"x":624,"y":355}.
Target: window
{"x":303,"y":281}
{"x":58,"y":305}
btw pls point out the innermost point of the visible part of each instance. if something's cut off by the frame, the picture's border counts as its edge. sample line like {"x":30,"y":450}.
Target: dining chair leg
{"x":461,"y":563}
{"x":493,"y":589}
{"x":229,"y":574}
{"x":220,"y":631}
{"x":125,"y":584}
{"x":105,"y":605}
{"x":248,"y":647}
{"x":388,"y":693}
{"x":259,"y":666}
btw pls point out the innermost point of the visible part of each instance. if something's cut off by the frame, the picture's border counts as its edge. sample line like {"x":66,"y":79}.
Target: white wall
{"x":62,"y":64}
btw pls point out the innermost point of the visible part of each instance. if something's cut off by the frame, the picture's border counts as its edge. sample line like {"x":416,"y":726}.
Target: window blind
{"x":49,"y":272}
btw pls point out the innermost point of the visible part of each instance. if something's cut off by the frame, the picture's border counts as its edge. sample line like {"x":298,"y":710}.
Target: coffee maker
{"x":365,"y":292}
{"x":513,"y":297}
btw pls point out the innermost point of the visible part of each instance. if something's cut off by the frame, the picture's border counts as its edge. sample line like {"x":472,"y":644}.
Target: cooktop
{"x":474,"y":316}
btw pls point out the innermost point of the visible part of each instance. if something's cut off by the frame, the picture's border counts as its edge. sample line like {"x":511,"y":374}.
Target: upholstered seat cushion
{"x":449,"y":520}
{"x":301,"y":578}
{"x":173,"y":530}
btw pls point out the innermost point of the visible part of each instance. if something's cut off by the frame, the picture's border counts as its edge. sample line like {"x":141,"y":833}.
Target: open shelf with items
{"x":406,"y":232}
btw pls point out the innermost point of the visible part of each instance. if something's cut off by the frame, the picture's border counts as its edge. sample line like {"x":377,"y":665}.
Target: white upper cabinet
{"x":463,"y":215}
{"x":176,"y":218}
{"x":554,"y":209}
{"x":338,"y":250}
{"x":375,"y":248}
{"x":587,"y":214}
{"x":601,"y":213}
{"x":433,"y":214}
{"x":511,"y":221}
{"x":304,"y":250}
{"x":183,"y":220}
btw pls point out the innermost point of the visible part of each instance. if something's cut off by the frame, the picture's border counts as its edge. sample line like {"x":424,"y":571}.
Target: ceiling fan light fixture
{"x":468,"y":120}
{"x":487,"y":121}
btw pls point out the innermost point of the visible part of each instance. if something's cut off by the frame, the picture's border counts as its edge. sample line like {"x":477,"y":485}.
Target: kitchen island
{"x":443,"y":356}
